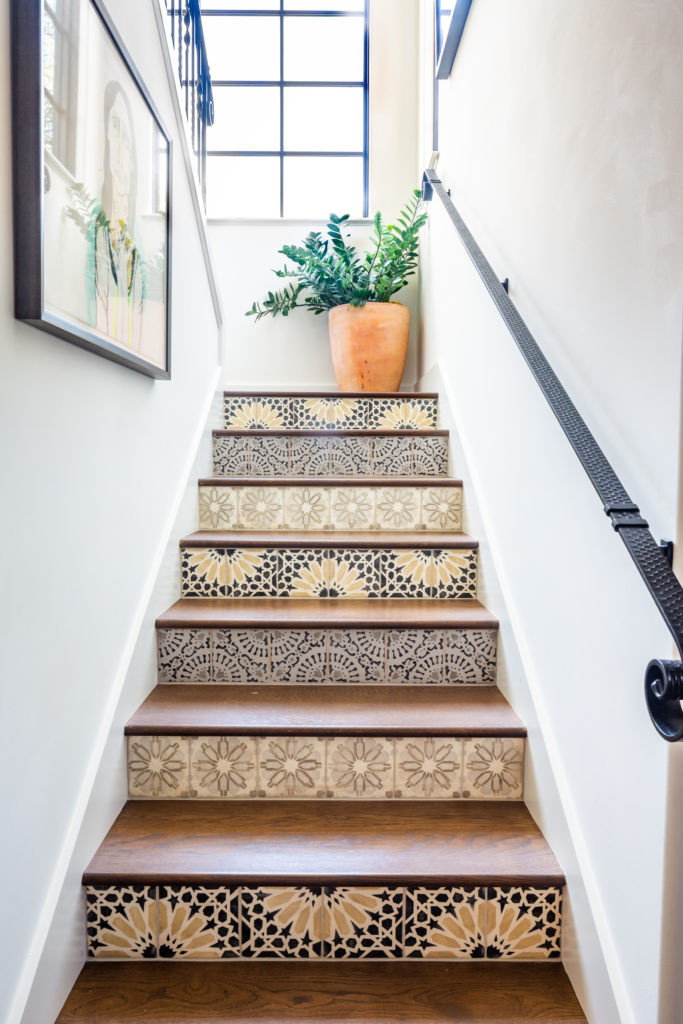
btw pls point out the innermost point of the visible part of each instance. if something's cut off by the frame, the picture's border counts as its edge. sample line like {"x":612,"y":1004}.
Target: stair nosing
{"x":329,"y":481}
{"x":337,"y":395}
{"x":332,"y":432}
{"x":329,"y":539}
{"x":293,"y":613}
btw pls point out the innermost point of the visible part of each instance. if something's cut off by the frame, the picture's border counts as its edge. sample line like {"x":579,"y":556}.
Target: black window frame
{"x":281,"y":153}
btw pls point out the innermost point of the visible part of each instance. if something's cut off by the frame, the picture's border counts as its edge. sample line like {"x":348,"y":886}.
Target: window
{"x":290,"y":86}
{"x":60,"y":29}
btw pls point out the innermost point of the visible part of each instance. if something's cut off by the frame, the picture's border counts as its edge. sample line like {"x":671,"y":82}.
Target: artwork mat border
{"x":28,"y":169}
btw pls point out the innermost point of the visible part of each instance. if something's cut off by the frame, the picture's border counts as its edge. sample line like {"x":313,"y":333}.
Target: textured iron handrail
{"x":663,"y":679}
{"x":187,"y":33}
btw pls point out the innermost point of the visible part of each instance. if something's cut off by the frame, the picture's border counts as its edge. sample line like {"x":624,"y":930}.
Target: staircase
{"x":326,"y":818}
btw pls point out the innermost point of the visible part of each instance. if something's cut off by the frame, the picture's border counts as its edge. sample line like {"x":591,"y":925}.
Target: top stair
{"x":327,"y":410}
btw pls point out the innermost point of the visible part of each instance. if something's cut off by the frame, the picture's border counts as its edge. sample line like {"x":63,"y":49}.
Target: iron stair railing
{"x":663,"y":679}
{"x":187,"y":33}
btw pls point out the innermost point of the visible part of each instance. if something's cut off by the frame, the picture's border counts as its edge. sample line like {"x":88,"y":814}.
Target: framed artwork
{"x":91,"y":164}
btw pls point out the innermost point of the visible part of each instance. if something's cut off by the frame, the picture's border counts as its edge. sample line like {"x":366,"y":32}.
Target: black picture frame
{"x":31,"y":181}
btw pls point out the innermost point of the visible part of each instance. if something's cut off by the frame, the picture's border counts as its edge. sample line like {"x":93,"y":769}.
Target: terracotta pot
{"x":369,"y":345}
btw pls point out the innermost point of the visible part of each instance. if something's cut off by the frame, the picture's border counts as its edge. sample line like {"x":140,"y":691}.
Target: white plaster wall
{"x":294,"y":352}
{"x":94,"y":463}
{"x":562,"y":142}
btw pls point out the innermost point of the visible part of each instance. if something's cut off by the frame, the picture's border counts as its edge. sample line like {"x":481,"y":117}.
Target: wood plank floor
{"x":201,"y":710}
{"x":339,"y":843}
{"x":324,"y":993}
{"x":337,"y":613}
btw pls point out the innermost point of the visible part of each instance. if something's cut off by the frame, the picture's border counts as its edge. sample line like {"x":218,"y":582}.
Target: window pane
{"x":316,"y":186}
{"x":242,"y":186}
{"x":240,"y":5}
{"x":324,"y":5}
{"x":327,"y":119}
{"x":245,"y":118}
{"x":243,"y":49}
{"x":324,"y":49}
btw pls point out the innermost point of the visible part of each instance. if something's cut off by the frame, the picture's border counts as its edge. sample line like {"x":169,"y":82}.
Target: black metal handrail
{"x":187,"y":33}
{"x":663,"y":679}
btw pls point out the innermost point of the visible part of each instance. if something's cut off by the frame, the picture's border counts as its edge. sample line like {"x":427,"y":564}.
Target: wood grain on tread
{"x":195,"y":709}
{"x":329,"y":481}
{"x":331,"y":394}
{"x":326,"y":539}
{"x":336,"y":613}
{"x":312,"y":432}
{"x":322,"y":993}
{"x":291,"y":842}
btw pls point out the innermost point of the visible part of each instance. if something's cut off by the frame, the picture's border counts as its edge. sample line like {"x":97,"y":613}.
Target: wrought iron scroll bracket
{"x":663,"y":679}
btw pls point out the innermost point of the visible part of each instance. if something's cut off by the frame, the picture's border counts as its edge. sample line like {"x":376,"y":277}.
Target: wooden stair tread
{"x":351,"y":842}
{"x":331,"y":394}
{"x":329,"y":481}
{"x":334,"y":432}
{"x":325,"y":613}
{"x":386,"y":710}
{"x":327,"y":539}
{"x":322,"y":993}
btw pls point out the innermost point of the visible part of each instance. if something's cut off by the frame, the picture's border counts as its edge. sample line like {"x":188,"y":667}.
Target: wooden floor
{"x":336,"y":613}
{"x":205,"y":710}
{"x":328,"y":539}
{"x":324,"y":993}
{"x":343,"y":842}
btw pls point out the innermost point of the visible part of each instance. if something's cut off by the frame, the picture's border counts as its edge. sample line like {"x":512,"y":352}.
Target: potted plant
{"x":368,"y":332}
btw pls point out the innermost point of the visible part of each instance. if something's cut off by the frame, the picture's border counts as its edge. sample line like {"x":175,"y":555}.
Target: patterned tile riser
{"x":300,"y":767}
{"x":326,"y":456}
{"x":332,"y":507}
{"x":302,"y":413}
{"x":307,"y":922}
{"x":417,"y":656}
{"x":441,"y":573}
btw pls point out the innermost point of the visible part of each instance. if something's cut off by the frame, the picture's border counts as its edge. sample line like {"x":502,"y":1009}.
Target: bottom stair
{"x":323,"y":993}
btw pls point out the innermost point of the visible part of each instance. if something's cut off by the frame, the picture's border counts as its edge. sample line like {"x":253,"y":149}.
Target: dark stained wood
{"x":326,"y":539}
{"x":194,"y":709}
{"x":274,"y":842}
{"x":331,"y":394}
{"x":329,"y":481}
{"x":358,"y":432}
{"x":336,"y":613}
{"x":322,"y":993}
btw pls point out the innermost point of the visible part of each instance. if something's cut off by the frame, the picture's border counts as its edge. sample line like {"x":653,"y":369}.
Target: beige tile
{"x":260,"y":508}
{"x":224,"y":767}
{"x":291,"y":766}
{"x":307,"y":508}
{"x":360,"y":767}
{"x":441,"y":508}
{"x":217,"y":508}
{"x":429,"y":768}
{"x":397,"y":508}
{"x":158,"y":766}
{"x":352,"y":508}
{"x":494,"y":768}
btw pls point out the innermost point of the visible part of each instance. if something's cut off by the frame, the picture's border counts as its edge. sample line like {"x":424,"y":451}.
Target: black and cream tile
{"x":307,"y":508}
{"x":254,"y":413}
{"x":392,"y":456}
{"x":402,"y":414}
{"x":231,"y":456}
{"x":412,"y":656}
{"x":251,"y":572}
{"x":351,"y":456}
{"x":203,"y":572}
{"x":300,"y":922}
{"x":269,"y":456}
{"x":430,"y":456}
{"x":330,"y":413}
{"x":432,"y":573}
{"x":259,"y":508}
{"x":310,"y":456}
{"x":217,"y":508}
{"x":198,"y":923}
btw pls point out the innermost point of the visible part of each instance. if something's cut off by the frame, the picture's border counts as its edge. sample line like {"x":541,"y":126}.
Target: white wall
{"x":94,"y":464}
{"x":562,"y":142}
{"x":294,"y":352}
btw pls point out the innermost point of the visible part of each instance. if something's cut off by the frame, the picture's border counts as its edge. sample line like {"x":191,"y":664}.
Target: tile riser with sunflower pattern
{"x":196,"y":922}
{"x":319,"y":456}
{"x":355,"y":506}
{"x":315,"y":572}
{"x":299,"y":767}
{"x":306,"y":412}
{"x":352,"y":656}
